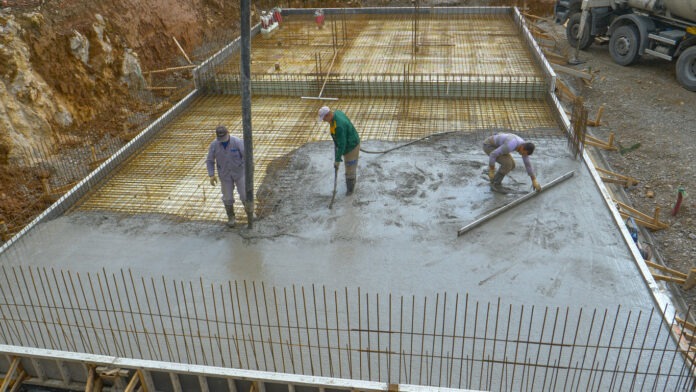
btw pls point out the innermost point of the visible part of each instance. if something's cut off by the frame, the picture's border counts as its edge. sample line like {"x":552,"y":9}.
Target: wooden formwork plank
{"x":668,"y":278}
{"x":598,"y":118}
{"x":571,"y":71}
{"x":608,"y":145}
{"x":133,"y":383}
{"x":641,"y":218}
{"x":9,"y":376}
{"x":20,"y":379}
{"x":666,"y":269}
{"x":614,"y":174}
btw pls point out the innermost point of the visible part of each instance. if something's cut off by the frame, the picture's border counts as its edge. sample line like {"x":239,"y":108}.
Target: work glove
{"x":536,"y":185}
{"x":213,"y":180}
{"x":336,"y":165}
{"x":491,"y":173}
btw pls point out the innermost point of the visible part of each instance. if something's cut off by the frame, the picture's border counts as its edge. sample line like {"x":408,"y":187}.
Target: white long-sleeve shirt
{"x":228,"y":157}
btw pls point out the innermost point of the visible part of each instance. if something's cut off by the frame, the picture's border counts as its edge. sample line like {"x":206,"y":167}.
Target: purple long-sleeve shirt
{"x":506,"y":143}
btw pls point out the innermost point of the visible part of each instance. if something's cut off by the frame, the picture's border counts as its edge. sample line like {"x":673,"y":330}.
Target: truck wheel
{"x":623,"y":45}
{"x":572,"y":29}
{"x":686,"y":69}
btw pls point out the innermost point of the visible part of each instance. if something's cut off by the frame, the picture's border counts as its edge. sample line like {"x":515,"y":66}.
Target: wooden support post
{"x":608,"y":145}
{"x":690,"y":338}
{"x":46,"y":186}
{"x":665,"y":269}
{"x":170,"y":69}
{"x":651,"y":222}
{"x":176,"y":383}
{"x":162,"y":88}
{"x":203,"y":384}
{"x":147,"y":385}
{"x":182,"y":51}
{"x":572,"y":72}
{"x":690,"y":280}
{"x":9,"y":376}
{"x":617,"y":178}
{"x":91,"y":375}
{"x":597,"y":121}
{"x":554,"y":58}
{"x":133,"y":383}
{"x":686,"y":324}
{"x":668,"y":278}
{"x":564,"y":91}
{"x":98,"y":385}
{"x":20,"y":379}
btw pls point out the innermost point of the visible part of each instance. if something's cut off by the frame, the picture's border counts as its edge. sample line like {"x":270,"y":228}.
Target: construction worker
{"x":498,"y":147}
{"x":346,"y":143}
{"x":226,"y":153}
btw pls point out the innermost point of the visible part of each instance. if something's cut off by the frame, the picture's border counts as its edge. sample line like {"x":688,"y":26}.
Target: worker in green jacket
{"x":346,"y":143}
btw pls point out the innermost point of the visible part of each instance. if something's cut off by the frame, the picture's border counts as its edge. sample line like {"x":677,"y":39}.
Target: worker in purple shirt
{"x":226,"y":153}
{"x":498,"y":147}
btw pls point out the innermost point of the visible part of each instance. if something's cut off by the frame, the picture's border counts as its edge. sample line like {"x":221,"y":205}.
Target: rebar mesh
{"x":168,"y":176}
{"x":445,"y":340}
{"x":399,"y":78}
{"x":479,"y":50}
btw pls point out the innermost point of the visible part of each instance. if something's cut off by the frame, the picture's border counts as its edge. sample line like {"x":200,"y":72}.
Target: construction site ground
{"x":652,"y":118}
{"x":397,"y":235}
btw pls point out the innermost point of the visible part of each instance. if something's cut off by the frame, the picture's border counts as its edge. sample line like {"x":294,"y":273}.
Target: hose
{"x":493,"y":130}
{"x":408,"y":144}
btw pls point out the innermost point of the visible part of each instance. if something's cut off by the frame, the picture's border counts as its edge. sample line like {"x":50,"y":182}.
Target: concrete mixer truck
{"x":662,"y":28}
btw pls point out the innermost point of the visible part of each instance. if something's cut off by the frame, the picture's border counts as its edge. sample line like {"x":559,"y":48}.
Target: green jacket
{"x":343,"y":133}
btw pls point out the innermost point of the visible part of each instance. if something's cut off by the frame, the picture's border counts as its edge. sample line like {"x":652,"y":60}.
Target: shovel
{"x":333,"y":197}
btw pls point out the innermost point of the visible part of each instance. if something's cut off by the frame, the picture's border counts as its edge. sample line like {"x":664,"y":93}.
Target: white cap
{"x":323,"y":111}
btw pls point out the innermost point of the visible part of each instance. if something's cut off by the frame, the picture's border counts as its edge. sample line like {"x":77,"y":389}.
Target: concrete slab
{"x":397,"y":234}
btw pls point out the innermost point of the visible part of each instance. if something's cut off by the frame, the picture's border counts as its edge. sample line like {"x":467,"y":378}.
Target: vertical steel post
{"x":246,"y":109}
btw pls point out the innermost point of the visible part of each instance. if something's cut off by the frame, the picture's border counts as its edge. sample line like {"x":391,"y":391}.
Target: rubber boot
{"x":249,"y":209}
{"x":350,"y":186}
{"x":496,"y":183}
{"x":230,"y":215}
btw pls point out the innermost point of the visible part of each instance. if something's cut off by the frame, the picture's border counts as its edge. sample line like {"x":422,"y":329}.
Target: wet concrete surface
{"x":396,"y":234}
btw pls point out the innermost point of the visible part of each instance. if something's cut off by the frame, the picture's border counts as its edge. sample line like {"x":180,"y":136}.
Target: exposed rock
{"x":131,"y":72}
{"x":79,"y":46}
{"x":27,"y":104}
{"x":106,"y":49}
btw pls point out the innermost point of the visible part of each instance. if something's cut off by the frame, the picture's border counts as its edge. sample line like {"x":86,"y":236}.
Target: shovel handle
{"x":333,"y":197}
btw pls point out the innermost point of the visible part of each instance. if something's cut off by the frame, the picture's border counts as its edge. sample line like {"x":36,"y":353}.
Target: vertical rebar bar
{"x":316,"y":329}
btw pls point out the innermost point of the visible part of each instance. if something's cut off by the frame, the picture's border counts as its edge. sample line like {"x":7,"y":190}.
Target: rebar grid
{"x":168,"y":176}
{"x":445,"y":340}
{"x":470,"y":44}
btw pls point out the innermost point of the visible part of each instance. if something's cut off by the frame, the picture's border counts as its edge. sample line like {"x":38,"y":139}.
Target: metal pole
{"x":246,"y":109}
{"x":513,"y":204}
